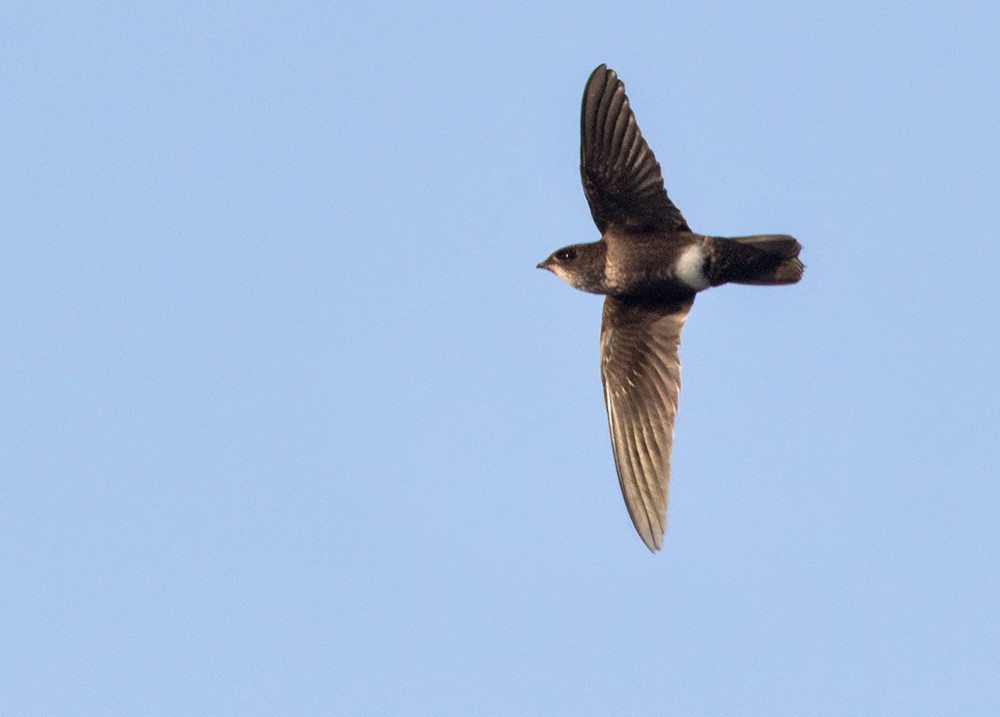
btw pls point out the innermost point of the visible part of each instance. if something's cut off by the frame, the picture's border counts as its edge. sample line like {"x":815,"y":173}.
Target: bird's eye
{"x":566,"y":254}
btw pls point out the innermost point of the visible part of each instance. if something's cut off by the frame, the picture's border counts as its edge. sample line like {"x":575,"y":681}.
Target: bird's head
{"x":580,"y":265}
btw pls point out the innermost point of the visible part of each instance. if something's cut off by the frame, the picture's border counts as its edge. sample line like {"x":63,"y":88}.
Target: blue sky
{"x":292,"y":425}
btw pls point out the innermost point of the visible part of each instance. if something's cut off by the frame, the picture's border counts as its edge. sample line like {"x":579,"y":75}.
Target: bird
{"x":649,"y":265}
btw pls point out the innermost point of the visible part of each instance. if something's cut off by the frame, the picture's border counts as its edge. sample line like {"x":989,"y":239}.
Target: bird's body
{"x":650,"y":265}
{"x":678,"y":263}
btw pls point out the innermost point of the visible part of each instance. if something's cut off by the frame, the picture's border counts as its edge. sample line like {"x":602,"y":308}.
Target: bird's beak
{"x":544,"y":265}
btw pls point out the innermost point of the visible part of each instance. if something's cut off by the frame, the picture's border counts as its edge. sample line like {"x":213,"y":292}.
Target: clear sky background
{"x":291,"y":424}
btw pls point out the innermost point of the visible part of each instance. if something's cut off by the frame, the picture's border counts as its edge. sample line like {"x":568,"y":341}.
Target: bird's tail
{"x":761,"y":259}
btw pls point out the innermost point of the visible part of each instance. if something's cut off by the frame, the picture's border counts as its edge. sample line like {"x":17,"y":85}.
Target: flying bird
{"x":649,"y":265}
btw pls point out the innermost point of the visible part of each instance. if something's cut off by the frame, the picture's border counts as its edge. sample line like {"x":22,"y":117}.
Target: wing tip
{"x":653,"y":545}
{"x":603,"y":75}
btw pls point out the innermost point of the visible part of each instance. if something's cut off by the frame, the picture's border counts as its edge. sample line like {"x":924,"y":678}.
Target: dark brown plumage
{"x":650,"y":265}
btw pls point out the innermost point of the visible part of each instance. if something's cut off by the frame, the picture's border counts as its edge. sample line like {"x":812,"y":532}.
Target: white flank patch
{"x":689,"y":268}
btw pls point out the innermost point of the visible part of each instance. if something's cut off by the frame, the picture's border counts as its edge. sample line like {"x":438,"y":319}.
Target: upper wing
{"x":641,"y":371}
{"x":621,"y":177}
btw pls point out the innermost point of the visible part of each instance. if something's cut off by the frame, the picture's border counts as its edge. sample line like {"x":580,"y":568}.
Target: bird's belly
{"x":681,"y":273}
